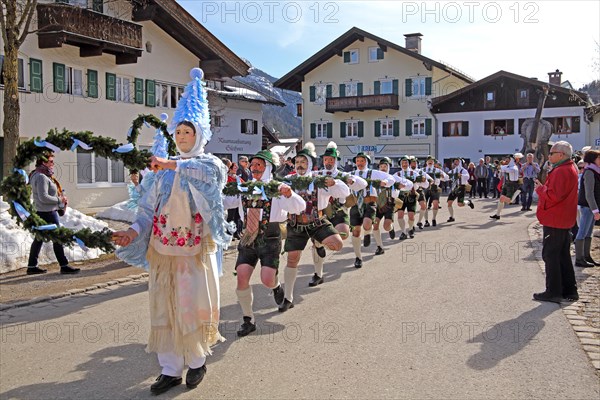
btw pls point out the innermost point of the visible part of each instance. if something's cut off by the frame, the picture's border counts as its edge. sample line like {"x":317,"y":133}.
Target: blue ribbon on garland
{"x":239,"y":185}
{"x":80,"y":243}
{"x":44,"y":143}
{"x":262,"y":191}
{"x":129,"y":131}
{"x":48,"y":227}
{"x":126,"y":148}
{"x":77,"y":142}
{"x":21,"y":211}
{"x":22,"y":172}
{"x":311,"y":187}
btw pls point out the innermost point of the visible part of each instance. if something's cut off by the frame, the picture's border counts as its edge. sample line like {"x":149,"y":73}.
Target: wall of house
{"x":476,"y":144}
{"x":394,"y":65}
{"x":168,"y":62}
{"x":227,"y":140}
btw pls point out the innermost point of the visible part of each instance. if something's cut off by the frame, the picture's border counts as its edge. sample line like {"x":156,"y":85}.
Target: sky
{"x":479,"y":38}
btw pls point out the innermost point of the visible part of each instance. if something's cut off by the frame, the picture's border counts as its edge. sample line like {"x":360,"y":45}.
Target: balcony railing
{"x":362,"y":103}
{"x":93,"y":32}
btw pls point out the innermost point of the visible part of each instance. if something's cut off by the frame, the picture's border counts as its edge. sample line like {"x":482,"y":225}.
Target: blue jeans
{"x":527,"y":192}
{"x":586,"y":223}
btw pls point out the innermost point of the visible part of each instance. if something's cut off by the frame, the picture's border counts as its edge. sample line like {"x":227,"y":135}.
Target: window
{"x":352,"y":129}
{"x":217,"y":85}
{"x":318,"y":93}
{"x":92,"y":169}
{"x":216,"y":121}
{"x":500,"y":127}
{"x":489,"y":100}
{"x":20,"y":76}
{"x":321,"y":132}
{"x":123,"y":89}
{"x":565,"y":125}
{"x":387,"y":128}
{"x":351,"y":89}
{"x":168,"y":95}
{"x":418,"y":126}
{"x":375,"y":54}
{"x":351,"y":57}
{"x":386,"y":87}
{"x":418,"y":86}
{"x":249,"y":126}
{"x":523,"y":97}
{"x":455,"y":128}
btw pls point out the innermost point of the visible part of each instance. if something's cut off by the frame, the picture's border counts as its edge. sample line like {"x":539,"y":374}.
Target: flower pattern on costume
{"x":181,"y":236}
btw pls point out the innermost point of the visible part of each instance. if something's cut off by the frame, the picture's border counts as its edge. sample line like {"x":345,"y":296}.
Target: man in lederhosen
{"x":422,"y":182}
{"x":432,"y":193}
{"x":460,"y":178}
{"x":510,"y":187}
{"x":409,"y":199}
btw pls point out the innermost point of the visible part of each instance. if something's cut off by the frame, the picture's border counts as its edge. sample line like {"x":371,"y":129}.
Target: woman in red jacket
{"x":556,"y":211}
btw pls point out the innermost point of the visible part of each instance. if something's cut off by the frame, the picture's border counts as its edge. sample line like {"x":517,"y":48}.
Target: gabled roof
{"x":293,"y":79}
{"x":216,"y":59}
{"x":530,"y":81}
{"x":236,"y":89}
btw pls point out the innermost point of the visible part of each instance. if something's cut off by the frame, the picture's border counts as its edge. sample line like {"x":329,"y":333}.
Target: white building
{"x":96,"y":69}
{"x":485,"y":118}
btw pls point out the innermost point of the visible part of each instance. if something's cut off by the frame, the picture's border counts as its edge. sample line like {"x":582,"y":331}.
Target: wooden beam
{"x":50,"y":40}
{"x":383,"y":47}
{"x":125,"y":58}
{"x":214,"y":68}
{"x":90,"y":51}
{"x":143,"y":13}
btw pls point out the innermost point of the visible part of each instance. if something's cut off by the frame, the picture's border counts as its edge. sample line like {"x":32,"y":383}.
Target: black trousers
{"x":481,"y":187}
{"x":560,"y":276}
{"x":50,"y":217}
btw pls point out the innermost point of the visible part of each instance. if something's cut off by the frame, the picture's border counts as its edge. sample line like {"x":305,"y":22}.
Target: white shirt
{"x":512,"y":171}
{"x":433,"y":170}
{"x":375,"y":175}
{"x":338,"y":191}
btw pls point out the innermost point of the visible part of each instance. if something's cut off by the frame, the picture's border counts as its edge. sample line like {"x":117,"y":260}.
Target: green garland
{"x":15,"y":189}
{"x":271,"y":189}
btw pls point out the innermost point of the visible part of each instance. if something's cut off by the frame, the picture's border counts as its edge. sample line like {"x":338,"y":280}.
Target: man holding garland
{"x":510,"y":187}
{"x":408,"y":197}
{"x":460,"y":178}
{"x":432,"y":194}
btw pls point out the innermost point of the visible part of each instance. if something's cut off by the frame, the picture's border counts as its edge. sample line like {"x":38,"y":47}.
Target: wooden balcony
{"x":362,"y":103}
{"x":94,"y":33}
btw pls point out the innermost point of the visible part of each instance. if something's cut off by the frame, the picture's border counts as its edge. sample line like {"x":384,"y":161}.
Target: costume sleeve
{"x":359,"y":183}
{"x":384,"y":177}
{"x":39,"y":184}
{"x":294,"y":204}
{"x":339,"y":191}
{"x":232,"y":202}
{"x":588,"y":184}
{"x":408,"y":185}
{"x":443,"y":176}
{"x":195,"y":170}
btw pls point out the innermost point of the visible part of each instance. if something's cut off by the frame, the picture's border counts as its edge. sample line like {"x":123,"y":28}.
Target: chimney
{"x":554,"y":78}
{"x":413,"y":42}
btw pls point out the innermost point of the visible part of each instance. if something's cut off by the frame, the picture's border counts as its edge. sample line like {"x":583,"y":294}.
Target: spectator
{"x":48,"y":199}
{"x":490,"y":178}
{"x":233,"y":214}
{"x":589,"y":202}
{"x":472,"y":179}
{"x":243,"y":171}
{"x":496,"y":179}
{"x":556,"y":211}
{"x":481,"y":174}
{"x":530,"y":171}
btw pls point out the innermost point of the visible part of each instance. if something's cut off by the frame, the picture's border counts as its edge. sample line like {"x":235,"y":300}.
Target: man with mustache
{"x":311,"y":223}
{"x":261,"y":239}
{"x":421,"y":184}
{"x":432,"y":194}
{"x":460,"y":178}
{"x":408,"y":197}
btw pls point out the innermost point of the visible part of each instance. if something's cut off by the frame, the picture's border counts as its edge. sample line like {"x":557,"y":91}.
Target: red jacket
{"x":557,"y":205}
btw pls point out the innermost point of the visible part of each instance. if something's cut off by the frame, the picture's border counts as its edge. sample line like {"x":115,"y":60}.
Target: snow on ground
{"x":118,"y":212}
{"x":15,"y":241}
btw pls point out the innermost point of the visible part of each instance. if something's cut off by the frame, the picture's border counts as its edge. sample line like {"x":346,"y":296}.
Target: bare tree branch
{"x":3,"y":22}
{"x":29,"y":11}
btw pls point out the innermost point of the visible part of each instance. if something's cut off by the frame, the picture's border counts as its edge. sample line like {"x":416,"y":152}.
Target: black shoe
{"x":470,"y":204}
{"x":278,"y":294}
{"x":164,"y":383}
{"x":392,"y":234}
{"x":247,"y":327}
{"x":358,"y":263}
{"x":379,"y":251}
{"x":411,"y":233}
{"x":451,"y":219}
{"x":546,"y":297}
{"x":420,"y":225}
{"x":194,"y":376}
{"x":571,"y":297}
{"x":529,"y":209}
{"x":426,"y":224}
{"x":35,"y":271}
{"x":316,"y":280}
{"x":321,"y":252}
{"x":523,"y":209}
{"x":286,"y":305}
{"x":403,"y":236}
{"x":70,"y":270}
{"x":367,"y":240}
{"x":433,"y":222}
{"x":494,"y":216}
{"x":582,"y":263}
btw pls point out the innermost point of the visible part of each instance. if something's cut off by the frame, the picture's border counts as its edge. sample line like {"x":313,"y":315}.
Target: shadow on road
{"x":507,"y":338}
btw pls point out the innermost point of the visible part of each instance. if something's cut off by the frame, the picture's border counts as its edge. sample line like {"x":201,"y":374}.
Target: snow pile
{"x":15,"y":241}
{"x":118,"y":212}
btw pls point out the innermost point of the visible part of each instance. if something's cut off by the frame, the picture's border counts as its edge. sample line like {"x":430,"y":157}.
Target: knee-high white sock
{"x":318,"y":262}
{"x":499,"y":208}
{"x":435,"y":211}
{"x":411,"y":224}
{"x":245,"y":299}
{"x":368,"y":232}
{"x":290,"y":280}
{"x":378,"y":239}
{"x":356,"y":244}
{"x":451,"y":211}
{"x":421,"y":215}
{"x":402,"y":224}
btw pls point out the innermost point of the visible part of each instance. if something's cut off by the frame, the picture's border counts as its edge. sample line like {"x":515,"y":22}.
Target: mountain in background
{"x":281,"y":119}
{"x":593,"y":89}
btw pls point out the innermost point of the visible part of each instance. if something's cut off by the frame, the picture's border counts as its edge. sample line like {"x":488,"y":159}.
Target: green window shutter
{"x":111,"y":86}
{"x":342,"y":90}
{"x":342,"y":129}
{"x":359,"y":89}
{"x":408,"y":87}
{"x":328,"y":91}
{"x":92,"y":83}
{"x":428,"y":127}
{"x":395,"y":86}
{"x":377,"y":128}
{"x":409,"y":127}
{"x":313,"y":93}
{"x":446,"y":128}
{"x":428,"y":86}
{"x":313,"y":130}
{"x":361,"y":129}
{"x":396,"y":127}
{"x":36,"y":81}
{"x":376,"y":87}
{"x":58,"y":75}
{"x":346,"y":56}
{"x":329,"y":130}
{"x":465,"y":128}
{"x":139,"y":91}
{"x":576,"y":125}
{"x":150,"y":93}
{"x":98,"y":5}
{"x":379,"y":54}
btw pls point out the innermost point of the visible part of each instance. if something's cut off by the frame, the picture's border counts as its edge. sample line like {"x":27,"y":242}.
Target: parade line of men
{"x":349,"y":205}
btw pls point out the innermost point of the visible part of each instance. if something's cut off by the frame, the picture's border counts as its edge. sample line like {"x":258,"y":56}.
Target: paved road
{"x":445,"y":315}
